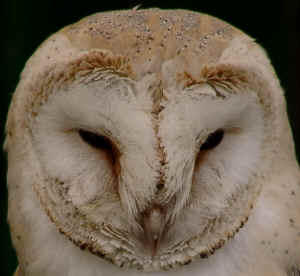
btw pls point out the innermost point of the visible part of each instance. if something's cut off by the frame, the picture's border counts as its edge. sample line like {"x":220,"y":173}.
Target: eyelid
{"x":213,"y":140}
{"x":95,"y":140}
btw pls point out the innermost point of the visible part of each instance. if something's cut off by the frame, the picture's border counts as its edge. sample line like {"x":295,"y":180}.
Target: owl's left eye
{"x":213,"y":140}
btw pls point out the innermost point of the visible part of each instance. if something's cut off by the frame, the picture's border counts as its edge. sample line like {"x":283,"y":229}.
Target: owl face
{"x":149,"y":151}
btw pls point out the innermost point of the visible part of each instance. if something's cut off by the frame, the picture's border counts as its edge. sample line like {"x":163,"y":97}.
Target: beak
{"x":153,"y":225}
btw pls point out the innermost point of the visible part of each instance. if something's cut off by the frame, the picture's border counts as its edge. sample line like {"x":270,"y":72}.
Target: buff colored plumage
{"x":152,"y":141}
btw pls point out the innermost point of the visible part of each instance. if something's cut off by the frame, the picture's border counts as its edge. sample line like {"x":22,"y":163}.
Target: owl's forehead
{"x":149,"y":38}
{"x":177,"y":47}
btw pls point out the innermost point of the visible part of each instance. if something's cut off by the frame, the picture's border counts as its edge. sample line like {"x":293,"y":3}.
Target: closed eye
{"x":213,"y":140}
{"x":95,"y":140}
{"x":99,"y":142}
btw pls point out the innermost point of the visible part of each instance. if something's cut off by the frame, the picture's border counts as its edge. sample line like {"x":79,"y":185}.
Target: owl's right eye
{"x":99,"y":142}
{"x":95,"y":140}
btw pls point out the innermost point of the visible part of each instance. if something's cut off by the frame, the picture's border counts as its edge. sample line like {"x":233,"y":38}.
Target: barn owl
{"x":152,"y":142}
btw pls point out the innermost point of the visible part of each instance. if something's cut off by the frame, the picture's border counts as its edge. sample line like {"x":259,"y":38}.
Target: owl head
{"x":143,"y":137}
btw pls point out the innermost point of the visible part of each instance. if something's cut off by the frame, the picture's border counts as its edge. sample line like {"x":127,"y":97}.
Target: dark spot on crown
{"x":286,"y":252}
{"x":204,"y":255}
{"x":187,"y":262}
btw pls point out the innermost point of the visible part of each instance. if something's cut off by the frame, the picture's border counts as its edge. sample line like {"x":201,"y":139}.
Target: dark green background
{"x":25,"y":24}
